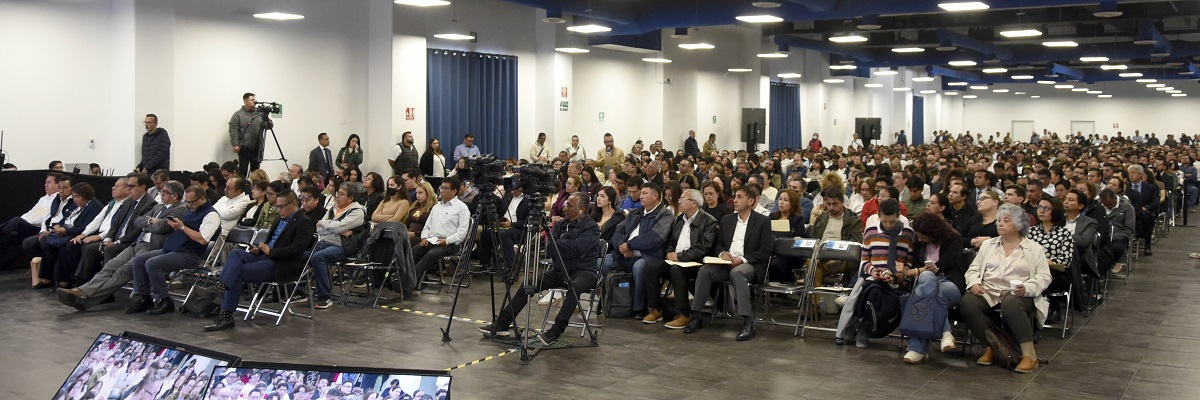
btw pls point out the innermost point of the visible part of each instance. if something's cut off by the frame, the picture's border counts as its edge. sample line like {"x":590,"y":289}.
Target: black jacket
{"x":128,"y":213}
{"x":703,"y":235}
{"x":606,"y":231}
{"x":522,"y":210}
{"x":156,"y":151}
{"x":1147,"y":198}
{"x":426,"y":164}
{"x":578,"y":242}
{"x":950,"y":261}
{"x":288,"y":253}
{"x":316,"y":161}
{"x":758,"y":241}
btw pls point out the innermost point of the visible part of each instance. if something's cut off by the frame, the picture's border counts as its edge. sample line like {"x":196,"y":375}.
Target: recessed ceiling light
{"x":979,"y":87}
{"x":1105,"y":96}
{"x":962,"y":63}
{"x":766,"y":4}
{"x":1095,"y":92}
{"x":1185,"y":72}
{"x":740,"y":70}
{"x":1063,"y":43}
{"x":1179,"y":95}
{"x":1063,"y":86}
{"x":1111,"y":67}
{"x":923,"y":79}
{"x":571,"y":50}
{"x":423,"y":3}
{"x":995,"y":70}
{"x":834,"y":80}
{"x":951,"y":93}
{"x":1156,"y":85}
{"x":1045,"y":82}
{"x":956,"y":84}
{"x":279,"y":16}
{"x":1020,"y":33}
{"x":589,"y":28}
{"x":970,"y":96}
{"x":1163,"y":89}
{"x":846,"y":67}
{"x":901,"y":89}
{"x":873,"y":85}
{"x":1000,"y":91}
{"x":848,"y":39}
{"x":1035,"y":97}
{"x":772,"y":55}
{"x":1174,"y":91}
{"x":758,"y":19}
{"x":696,"y":46}
{"x":454,"y":36}
{"x":1131,"y":75}
{"x":1022,"y":77}
{"x":928,"y":91}
{"x":658,"y":60}
{"x":907,"y":50}
{"x":789,"y":75}
{"x":963,"y":6}
{"x":1147,"y":80}
{"x":1018,"y":92}
{"x":1094,"y":59}
{"x":1079,"y":89}
{"x":886,"y":72}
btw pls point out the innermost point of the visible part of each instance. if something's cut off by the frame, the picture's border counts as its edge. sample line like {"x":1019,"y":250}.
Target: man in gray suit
{"x":118,"y":270}
{"x":123,"y":233}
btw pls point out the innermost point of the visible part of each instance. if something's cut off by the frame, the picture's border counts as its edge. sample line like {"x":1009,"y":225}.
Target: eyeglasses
{"x":1044,"y":208}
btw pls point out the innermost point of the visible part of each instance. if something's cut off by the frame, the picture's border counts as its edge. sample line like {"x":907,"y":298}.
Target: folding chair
{"x":594,"y":302}
{"x":208,"y":270}
{"x":784,"y":247}
{"x":362,"y":267}
{"x":264,"y":288}
{"x":828,"y":250}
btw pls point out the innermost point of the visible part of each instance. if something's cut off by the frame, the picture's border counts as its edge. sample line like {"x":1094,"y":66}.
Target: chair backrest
{"x":261,"y":236}
{"x":968,"y":258}
{"x":603,"y":247}
{"x":240,"y":235}
{"x":839,"y":250}
{"x":789,"y":247}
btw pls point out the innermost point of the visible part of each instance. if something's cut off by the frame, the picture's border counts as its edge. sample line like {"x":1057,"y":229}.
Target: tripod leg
{"x":464,"y":258}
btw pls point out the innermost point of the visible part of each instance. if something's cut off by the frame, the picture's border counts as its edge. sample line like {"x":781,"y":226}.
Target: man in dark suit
{"x":320,"y":159}
{"x":745,"y":242}
{"x":514,"y":211}
{"x":1144,"y":196}
{"x":123,"y":233}
{"x":577,"y":237}
{"x":280,"y":258}
{"x":690,"y":147}
{"x":691,"y":238}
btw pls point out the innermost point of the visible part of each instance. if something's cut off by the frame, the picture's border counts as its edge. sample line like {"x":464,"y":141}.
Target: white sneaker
{"x":948,"y":342}
{"x":913,"y":357}
{"x":1194,"y":255}
{"x":556,"y":294}
{"x":841,"y":300}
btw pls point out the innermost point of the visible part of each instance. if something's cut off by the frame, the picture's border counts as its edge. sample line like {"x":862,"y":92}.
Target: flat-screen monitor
{"x":272,"y":381}
{"x":135,"y":366}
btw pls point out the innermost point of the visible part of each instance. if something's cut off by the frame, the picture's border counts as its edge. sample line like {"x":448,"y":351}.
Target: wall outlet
{"x":91,"y":143}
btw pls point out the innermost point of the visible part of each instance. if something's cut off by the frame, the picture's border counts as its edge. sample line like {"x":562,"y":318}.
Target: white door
{"x":1085,"y":127}
{"x":1022,"y":131}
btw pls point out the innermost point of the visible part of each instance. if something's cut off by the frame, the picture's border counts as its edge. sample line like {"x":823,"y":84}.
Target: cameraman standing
{"x":246,"y":135}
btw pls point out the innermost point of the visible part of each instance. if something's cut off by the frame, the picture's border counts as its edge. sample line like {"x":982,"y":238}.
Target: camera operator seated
{"x":691,"y":238}
{"x":744,"y":241}
{"x":444,"y":230}
{"x":639,"y":241}
{"x":339,"y":222}
{"x":577,"y":238}
{"x":144,"y":233}
{"x":280,"y":258}
{"x":184,"y":248}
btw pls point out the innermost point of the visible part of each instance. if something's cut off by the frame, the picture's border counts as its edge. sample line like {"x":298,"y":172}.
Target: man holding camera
{"x":577,"y":238}
{"x":245,"y":135}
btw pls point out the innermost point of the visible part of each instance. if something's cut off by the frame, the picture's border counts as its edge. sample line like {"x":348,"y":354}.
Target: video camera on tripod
{"x":268,"y":107}
{"x":487,"y":171}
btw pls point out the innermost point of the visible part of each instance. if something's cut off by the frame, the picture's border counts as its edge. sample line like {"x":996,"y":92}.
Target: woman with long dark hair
{"x":350,"y":156}
{"x":433,"y":163}
{"x":606,"y":214}
{"x":939,"y":265}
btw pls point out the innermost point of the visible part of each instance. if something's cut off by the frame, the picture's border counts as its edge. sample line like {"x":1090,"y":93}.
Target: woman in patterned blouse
{"x":1051,"y":232}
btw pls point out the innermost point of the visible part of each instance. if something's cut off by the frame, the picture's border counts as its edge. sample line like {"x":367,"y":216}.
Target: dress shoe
{"x":43,"y":285}
{"x":1027,"y":365}
{"x":748,"y":332}
{"x":162,"y":307}
{"x":986,"y":358}
{"x":223,"y":322}
{"x":913,"y":357}
{"x":1054,"y":317}
{"x":948,"y":342}
{"x":679,"y":322}
{"x":652,"y":317}
{"x":695,"y":324}
{"x":640,"y":314}
{"x":74,"y":292}
{"x":69,"y":300}
{"x":109,"y":300}
{"x":142,"y":304}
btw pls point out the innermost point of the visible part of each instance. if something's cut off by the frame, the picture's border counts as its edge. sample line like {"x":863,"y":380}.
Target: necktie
{"x":125,"y":221}
{"x":328,"y":159}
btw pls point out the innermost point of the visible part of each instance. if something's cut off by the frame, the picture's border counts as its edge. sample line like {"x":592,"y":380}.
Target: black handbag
{"x":204,"y":303}
{"x":1005,"y":350}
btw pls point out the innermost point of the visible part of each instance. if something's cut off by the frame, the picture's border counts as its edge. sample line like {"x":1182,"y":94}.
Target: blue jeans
{"x":949,"y":294}
{"x":608,"y":265}
{"x":325,"y":255}
{"x":150,"y":270}
{"x":242,"y":267}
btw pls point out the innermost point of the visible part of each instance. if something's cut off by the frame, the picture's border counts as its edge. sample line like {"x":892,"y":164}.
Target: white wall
{"x":1164,"y":115}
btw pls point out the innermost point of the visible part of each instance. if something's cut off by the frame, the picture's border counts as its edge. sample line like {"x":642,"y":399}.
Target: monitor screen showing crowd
{"x":300,"y":382}
{"x":117,"y":367}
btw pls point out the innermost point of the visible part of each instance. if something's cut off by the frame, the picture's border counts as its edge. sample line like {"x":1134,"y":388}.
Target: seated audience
{"x":445,"y":229}
{"x":939,"y":265}
{"x":16,"y":230}
{"x":887,"y":255}
{"x":394,"y":206}
{"x":183,"y":249}
{"x":691,"y":238}
{"x":639,"y":241}
{"x":339,"y":222}
{"x":419,"y":212}
{"x":60,"y":235}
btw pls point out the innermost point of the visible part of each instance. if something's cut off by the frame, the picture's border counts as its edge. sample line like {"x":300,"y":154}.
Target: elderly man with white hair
{"x":691,"y":237}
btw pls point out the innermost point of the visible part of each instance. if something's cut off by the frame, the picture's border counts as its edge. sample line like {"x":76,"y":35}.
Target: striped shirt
{"x":875,"y":248}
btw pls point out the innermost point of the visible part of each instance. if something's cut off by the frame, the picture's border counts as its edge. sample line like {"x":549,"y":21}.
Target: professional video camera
{"x":268,"y":108}
{"x":542,"y":179}
{"x":487,"y":171}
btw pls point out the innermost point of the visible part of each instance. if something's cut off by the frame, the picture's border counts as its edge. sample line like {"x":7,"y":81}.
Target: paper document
{"x":717,"y":260}
{"x":781,"y":225}
{"x":685,"y":264}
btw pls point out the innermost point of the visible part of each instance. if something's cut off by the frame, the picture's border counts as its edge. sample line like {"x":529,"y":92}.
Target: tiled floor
{"x":1145,"y":343}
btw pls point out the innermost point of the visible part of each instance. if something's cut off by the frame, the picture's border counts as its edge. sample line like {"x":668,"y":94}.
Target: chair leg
{"x":287,"y":302}
{"x":255,"y":302}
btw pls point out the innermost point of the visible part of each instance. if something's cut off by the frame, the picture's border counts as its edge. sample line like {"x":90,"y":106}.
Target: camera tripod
{"x":485,"y":216}
{"x":269,"y":126}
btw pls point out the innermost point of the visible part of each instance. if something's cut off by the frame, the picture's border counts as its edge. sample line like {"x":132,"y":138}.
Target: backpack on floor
{"x":618,"y":293}
{"x":204,"y":303}
{"x":878,"y":309}
{"x":1005,"y":350}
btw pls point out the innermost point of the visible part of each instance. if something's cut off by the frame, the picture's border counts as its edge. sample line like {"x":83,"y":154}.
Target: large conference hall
{"x":594,"y":199}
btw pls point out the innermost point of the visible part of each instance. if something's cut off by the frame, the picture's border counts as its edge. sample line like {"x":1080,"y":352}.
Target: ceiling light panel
{"x":963,"y":6}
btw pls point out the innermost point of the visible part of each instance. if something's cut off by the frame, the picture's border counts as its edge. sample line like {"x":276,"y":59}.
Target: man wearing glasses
{"x":279,"y":259}
{"x":156,"y":147}
{"x":444,"y":230}
{"x":339,"y":222}
{"x":184,"y":248}
{"x":148,"y":232}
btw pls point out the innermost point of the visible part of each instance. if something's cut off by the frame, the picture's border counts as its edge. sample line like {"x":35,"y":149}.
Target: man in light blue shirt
{"x":445,"y":229}
{"x":466,"y":149}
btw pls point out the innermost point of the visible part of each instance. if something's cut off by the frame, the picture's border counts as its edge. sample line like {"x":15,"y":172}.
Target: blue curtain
{"x":917,"y":136}
{"x":473,"y":93}
{"x":784,"y":118}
